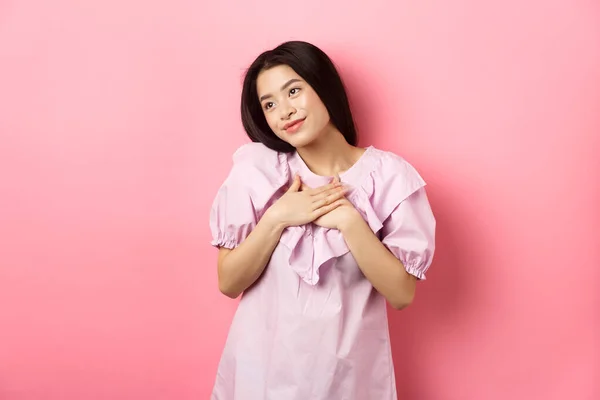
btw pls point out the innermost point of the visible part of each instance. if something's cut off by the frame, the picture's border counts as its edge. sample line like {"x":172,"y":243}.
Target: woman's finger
{"x":322,"y":195}
{"x":324,"y":188}
{"x":327,"y":208}
{"x":295,"y":184}
{"x":328,"y":197}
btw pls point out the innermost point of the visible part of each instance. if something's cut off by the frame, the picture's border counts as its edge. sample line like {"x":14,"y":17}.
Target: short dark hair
{"x":317,"y":69}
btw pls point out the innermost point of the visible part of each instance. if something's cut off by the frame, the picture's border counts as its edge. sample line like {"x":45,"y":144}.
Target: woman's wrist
{"x":273,"y":222}
{"x":353,"y":219}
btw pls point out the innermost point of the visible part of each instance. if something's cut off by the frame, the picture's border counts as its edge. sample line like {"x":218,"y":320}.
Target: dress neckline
{"x":352,"y":175}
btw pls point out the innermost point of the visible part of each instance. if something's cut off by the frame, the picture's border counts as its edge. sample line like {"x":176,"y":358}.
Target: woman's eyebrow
{"x":288,"y":83}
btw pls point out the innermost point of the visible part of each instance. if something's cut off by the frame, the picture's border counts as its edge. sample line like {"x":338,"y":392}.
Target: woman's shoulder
{"x":254,"y":153}
{"x":254,"y":164}
{"x":391,"y":166}
{"x":389,"y":180}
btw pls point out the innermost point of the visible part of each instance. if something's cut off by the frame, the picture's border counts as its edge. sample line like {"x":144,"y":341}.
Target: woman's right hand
{"x":297,"y":207}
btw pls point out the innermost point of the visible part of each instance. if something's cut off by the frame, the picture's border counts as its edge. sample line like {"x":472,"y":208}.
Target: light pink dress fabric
{"x":313,"y":327}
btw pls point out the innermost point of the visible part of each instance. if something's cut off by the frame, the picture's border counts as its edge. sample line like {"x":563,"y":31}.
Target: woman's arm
{"x":409,"y":230}
{"x":385,"y":272}
{"x":239,"y":268}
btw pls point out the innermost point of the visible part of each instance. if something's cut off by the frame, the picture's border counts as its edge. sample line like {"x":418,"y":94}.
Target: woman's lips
{"x":294,"y":126}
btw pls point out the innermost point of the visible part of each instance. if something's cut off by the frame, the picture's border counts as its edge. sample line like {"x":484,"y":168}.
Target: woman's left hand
{"x":341,"y":216}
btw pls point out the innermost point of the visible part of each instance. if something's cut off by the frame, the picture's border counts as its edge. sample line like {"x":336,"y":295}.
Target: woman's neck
{"x":330,"y":154}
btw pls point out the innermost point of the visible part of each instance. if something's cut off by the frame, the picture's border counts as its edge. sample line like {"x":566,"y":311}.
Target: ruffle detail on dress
{"x":299,"y":241}
{"x":267,"y":172}
{"x":310,"y":248}
{"x":387,"y":180}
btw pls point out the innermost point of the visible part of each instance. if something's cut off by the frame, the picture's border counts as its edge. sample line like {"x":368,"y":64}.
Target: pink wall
{"x":117,"y":124}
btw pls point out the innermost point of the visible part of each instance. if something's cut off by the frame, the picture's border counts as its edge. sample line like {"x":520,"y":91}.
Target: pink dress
{"x":313,"y":327}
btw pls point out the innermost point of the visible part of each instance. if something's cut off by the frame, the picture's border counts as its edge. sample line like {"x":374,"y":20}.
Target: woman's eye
{"x":268,"y":105}
{"x":294,"y":91}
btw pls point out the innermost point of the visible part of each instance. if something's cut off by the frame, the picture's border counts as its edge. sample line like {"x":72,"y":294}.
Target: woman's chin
{"x":300,"y":139}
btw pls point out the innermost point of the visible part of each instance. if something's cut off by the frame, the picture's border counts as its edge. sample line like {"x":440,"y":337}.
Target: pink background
{"x":118,"y":120}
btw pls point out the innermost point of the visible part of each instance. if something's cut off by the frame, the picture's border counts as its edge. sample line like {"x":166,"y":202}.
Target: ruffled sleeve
{"x":257,"y":174}
{"x":395,"y":205}
{"x":409,"y":233}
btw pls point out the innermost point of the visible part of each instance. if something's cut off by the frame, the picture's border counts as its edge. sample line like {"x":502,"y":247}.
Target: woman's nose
{"x":288,"y":112}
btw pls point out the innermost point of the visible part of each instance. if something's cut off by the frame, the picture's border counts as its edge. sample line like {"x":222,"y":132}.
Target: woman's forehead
{"x":271,"y":80}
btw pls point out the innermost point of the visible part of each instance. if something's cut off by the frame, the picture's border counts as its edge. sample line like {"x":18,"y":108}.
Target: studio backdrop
{"x":118,"y":120}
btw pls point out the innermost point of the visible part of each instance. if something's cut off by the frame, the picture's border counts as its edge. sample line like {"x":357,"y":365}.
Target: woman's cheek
{"x":271,"y":122}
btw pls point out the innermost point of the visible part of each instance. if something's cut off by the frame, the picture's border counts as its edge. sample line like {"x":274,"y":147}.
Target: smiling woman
{"x":294,"y":78}
{"x":317,"y":234}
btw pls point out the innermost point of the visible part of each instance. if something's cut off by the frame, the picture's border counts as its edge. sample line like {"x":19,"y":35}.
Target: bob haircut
{"x":317,"y":69}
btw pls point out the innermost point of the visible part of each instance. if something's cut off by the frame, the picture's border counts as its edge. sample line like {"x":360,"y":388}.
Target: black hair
{"x":317,"y":69}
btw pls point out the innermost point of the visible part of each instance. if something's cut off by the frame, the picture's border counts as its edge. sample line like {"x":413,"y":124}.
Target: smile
{"x":293,"y":126}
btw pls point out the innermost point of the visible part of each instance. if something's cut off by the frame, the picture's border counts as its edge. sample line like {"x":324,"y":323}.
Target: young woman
{"x":318,"y":234}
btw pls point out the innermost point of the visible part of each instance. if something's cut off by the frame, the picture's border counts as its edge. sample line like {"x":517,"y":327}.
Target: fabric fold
{"x":379,"y":182}
{"x":377,"y":189}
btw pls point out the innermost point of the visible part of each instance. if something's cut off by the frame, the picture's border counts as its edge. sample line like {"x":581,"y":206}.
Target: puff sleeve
{"x":395,"y":204}
{"x":232,"y":216}
{"x":409,"y":233}
{"x":251,"y":186}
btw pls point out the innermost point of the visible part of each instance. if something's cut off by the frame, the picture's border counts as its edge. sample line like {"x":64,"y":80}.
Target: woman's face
{"x":292,"y":108}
